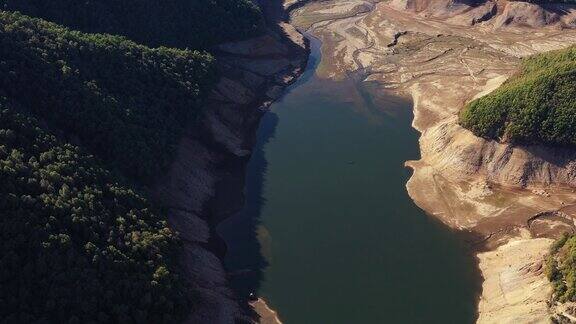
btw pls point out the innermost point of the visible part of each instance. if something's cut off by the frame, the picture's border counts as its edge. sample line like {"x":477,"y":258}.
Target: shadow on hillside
{"x":244,"y":260}
{"x":555,"y":155}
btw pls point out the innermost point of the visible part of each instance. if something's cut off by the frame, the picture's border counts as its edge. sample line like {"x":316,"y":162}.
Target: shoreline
{"x":457,"y":180}
{"x":205,"y":183}
{"x":277,"y":18}
{"x":489,"y":208}
{"x":267,"y":314}
{"x":266,"y":310}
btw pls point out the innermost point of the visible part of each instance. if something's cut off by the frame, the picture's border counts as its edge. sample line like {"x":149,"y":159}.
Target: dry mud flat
{"x":511,"y":200}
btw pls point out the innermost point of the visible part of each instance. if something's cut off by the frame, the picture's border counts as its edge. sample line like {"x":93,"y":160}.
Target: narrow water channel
{"x":329,"y":234}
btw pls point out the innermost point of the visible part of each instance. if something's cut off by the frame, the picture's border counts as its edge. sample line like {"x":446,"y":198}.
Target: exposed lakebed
{"x":329,"y":233}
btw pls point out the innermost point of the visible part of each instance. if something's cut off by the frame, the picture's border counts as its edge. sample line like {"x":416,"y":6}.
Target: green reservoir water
{"x":329,"y":234}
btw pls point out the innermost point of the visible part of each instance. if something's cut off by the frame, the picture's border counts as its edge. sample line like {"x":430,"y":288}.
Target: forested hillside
{"x":78,"y":245}
{"x":127,"y":103}
{"x":87,"y":122}
{"x":536,"y":106}
{"x":79,"y":242}
{"x":175,"y":23}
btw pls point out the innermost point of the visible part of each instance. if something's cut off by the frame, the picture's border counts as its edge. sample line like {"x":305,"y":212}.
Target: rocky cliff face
{"x":205,"y":182}
{"x":500,"y":13}
{"x":437,"y":7}
{"x":505,"y":164}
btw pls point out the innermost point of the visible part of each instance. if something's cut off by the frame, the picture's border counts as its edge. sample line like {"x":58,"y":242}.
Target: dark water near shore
{"x":329,"y":233}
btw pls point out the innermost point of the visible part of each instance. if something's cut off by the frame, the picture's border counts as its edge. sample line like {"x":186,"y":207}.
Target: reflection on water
{"x":329,"y":234}
{"x":248,"y":241}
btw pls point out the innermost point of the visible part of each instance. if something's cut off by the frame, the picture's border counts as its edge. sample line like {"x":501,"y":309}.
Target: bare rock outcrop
{"x":517,"y":13}
{"x":438,"y":8}
{"x":499,"y":13}
{"x":457,"y":152}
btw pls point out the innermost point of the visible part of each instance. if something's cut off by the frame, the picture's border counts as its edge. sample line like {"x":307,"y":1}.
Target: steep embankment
{"x":440,"y":55}
{"x":536,"y":106}
{"x":205,"y":183}
{"x":501,"y":13}
{"x":125,"y":113}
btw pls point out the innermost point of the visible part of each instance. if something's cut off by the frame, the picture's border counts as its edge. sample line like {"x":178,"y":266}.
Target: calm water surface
{"x":329,"y":234}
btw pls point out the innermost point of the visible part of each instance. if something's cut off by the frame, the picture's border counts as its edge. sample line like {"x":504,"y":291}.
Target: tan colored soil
{"x":442,"y":57}
{"x":267,"y":315}
{"x":515,"y":290}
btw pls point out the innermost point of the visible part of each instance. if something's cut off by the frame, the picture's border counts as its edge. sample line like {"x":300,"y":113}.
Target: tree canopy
{"x":561,"y":268}
{"x":125,"y":102}
{"x":86,"y":122}
{"x":535,"y":106}
{"x":173,"y":23}
{"x":92,"y":107}
{"x":78,"y":245}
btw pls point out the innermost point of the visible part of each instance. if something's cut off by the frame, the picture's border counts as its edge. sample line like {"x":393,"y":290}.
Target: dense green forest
{"x":174,"y":23}
{"x":78,"y":245}
{"x":561,"y":268}
{"x":127,"y":103}
{"x":87,"y":122}
{"x":535,"y":106}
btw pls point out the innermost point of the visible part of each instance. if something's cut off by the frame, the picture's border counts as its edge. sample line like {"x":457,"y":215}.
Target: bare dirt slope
{"x":443,"y":54}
